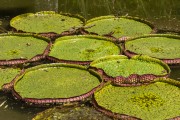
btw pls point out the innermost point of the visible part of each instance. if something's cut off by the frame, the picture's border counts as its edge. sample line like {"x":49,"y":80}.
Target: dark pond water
{"x":165,"y":14}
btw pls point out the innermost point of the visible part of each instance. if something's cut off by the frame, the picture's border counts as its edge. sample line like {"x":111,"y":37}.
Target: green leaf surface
{"x":56,"y":81}
{"x":158,"y":46}
{"x":45,"y":21}
{"x":83,"y":48}
{"x":7,"y":75}
{"x":120,"y":26}
{"x":20,"y":46}
{"x":122,"y":66}
{"x":158,"y":100}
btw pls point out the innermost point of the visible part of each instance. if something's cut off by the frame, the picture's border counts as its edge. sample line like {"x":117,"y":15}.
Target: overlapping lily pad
{"x":164,"y":47}
{"x":19,"y":48}
{"x":119,"y":26}
{"x":55,"y":83}
{"x":137,"y":70}
{"x":71,"y":113}
{"x":46,"y":21}
{"x":159,"y":100}
{"x":83,"y":48}
{"x":7,"y":75}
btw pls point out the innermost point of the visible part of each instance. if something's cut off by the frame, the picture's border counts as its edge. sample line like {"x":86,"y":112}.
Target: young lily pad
{"x":71,"y":113}
{"x":119,"y":26}
{"x":7,"y":75}
{"x":55,"y":83}
{"x":83,"y":48}
{"x":138,"y":69}
{"x":17,"y":48}
{"x":164,"y":47}
{"x":158,"y":100}
{"x":45,"y":21}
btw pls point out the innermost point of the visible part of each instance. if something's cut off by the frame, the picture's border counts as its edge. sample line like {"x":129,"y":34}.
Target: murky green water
{"x":165,"y":14}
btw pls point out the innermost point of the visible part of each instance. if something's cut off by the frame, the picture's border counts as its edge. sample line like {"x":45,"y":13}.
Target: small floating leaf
{"x":158,"y":100}
{"x":45,"y":21}
{"x":120,"y":26}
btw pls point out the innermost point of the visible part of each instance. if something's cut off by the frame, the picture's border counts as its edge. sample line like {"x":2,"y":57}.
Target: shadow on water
{"x":165,"y":14}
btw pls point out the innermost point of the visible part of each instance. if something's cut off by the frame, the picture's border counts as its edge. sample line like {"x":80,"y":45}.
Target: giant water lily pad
{"x":55,"y":83}
{"x":45,"y":21}
{"x":135,"y":70}
{"x":165,"y":47}
{"x":119,"y":26}
{"x":159,"y":100}
{"x":7,"y":75}
{"x":71,"y":113}
{"x":83,"y":48}
{"x":20,"y":46}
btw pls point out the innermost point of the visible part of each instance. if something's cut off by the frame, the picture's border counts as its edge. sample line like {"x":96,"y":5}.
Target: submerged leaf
{"x":71,"y":113}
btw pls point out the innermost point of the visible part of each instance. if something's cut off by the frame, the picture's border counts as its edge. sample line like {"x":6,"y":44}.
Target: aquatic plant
{"x":159,"y":100}
{"x":119,"y":26}
{"x":83,"y":48}
{"x":162,"y":46}
{"x":137,"y":70}
{"x":72,"y":112}
{"x":46,"y":21}
{"x":21,"y":48}
{"x":55,"y":83}
{"x":7,"y":74}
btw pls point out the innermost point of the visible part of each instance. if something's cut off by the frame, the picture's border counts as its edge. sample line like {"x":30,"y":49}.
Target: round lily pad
{"x":45,"y":21}
{"x":7,"y":75}
{"x":138,"y":69}
{"x":165,"y":47}
{"x":14,"y":47}
{"x":158,"y":100}
{"x":71,"y":113}
{"x":55,"y":83}
{"x":83,"y":48}
{"x":119,"y":26}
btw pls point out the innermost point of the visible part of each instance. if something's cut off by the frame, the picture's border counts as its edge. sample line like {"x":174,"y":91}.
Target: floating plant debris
{"x":17,"y":48}
{"x":138,"y":69}
{"x":55,"y":83}
{"x":71,"y":113}
{"x":158,"y":100}
{"x":7,"y":75}
{"x":163,"y":46}
{"x":119,"y":26}
{"x":45,"y":21}
{"x":83,"y":48}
